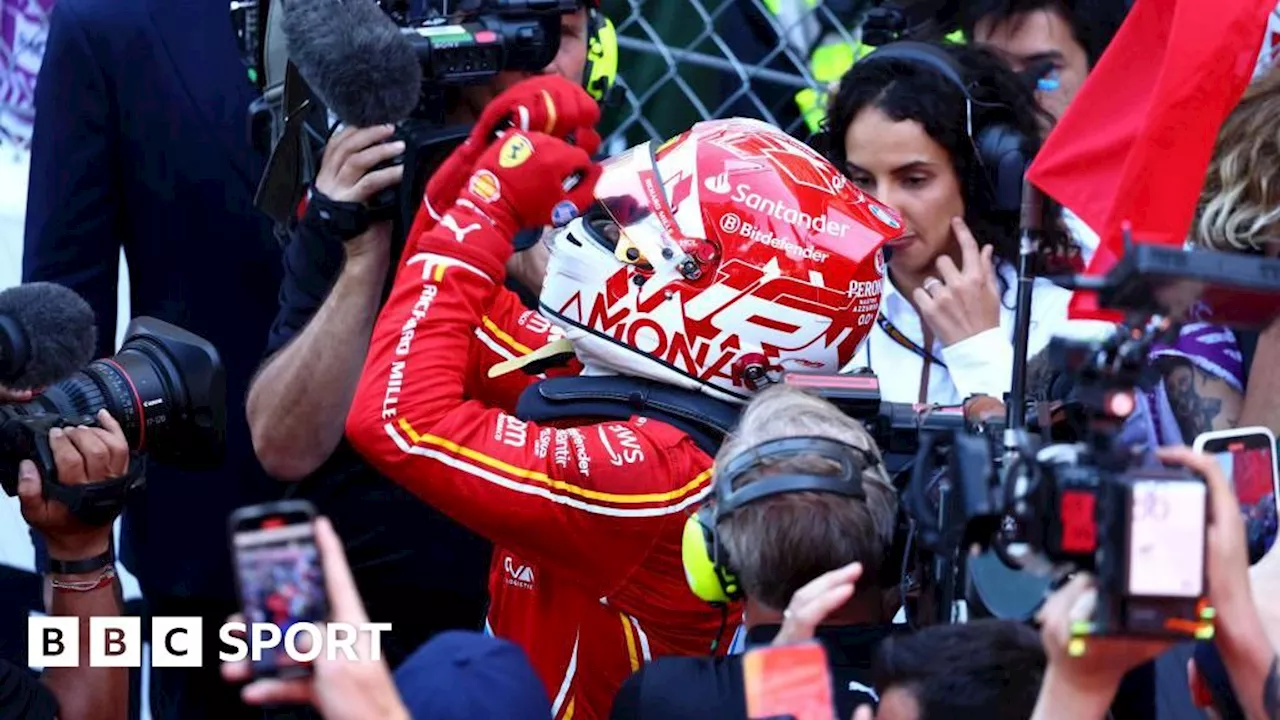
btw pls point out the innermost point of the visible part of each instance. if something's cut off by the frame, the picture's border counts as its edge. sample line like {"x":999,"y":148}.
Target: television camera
{"x":396,"y":62}
{"x":1062,"y":491}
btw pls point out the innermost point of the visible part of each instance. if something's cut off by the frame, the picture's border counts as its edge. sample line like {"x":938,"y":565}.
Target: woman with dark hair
{"x":907,"y":133}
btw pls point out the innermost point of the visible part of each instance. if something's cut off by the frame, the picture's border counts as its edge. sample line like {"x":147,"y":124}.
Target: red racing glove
{"x":547,"y":104}
{"x":525,"y":180}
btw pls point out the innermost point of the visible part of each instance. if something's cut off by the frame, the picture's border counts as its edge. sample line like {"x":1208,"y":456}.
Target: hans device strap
{"x":705,"y":420}
{"x":899,"y":337}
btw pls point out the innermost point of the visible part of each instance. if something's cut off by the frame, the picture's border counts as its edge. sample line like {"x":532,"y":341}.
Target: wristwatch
{"x":80,"y":567}
{"x":341,"y":220}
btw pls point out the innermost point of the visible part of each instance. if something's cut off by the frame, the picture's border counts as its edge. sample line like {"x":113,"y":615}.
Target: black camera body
{"x":470,"y":48}
{"x":467,"y":48}
{"x":1055,"y":508}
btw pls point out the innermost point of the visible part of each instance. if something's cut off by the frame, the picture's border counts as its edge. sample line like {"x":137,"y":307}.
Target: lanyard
{"x":897,"y":336}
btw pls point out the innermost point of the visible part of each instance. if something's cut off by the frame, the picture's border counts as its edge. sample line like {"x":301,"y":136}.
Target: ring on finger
{"x":931,"y":283}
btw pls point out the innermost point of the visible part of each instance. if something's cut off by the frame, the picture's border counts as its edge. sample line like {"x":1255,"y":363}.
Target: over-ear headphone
{"x":707,"y":565}
{"x":601,"y":70}
{"x":998,"y":147}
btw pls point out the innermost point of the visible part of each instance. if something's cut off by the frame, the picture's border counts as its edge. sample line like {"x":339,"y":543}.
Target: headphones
{"x":998,"y":147}
{"x":707,"y":565}
{"x":601,"y":72}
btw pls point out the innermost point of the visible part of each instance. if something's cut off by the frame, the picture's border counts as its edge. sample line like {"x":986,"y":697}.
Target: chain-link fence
{"x":682,"y":61}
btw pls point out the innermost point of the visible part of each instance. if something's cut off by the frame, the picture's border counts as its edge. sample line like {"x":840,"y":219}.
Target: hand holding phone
{"x":279,"y":577}
{"x":341,"y":687}
{"x":1247,"y":457}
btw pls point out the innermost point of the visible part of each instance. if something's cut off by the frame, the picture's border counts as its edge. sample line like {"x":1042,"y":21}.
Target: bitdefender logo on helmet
{"x":117,"y":641}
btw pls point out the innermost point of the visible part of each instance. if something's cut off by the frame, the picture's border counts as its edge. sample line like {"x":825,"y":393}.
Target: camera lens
{"x":166,"y":387}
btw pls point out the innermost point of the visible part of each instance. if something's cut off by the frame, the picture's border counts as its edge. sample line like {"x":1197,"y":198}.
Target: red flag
{"x":1136,"y":141}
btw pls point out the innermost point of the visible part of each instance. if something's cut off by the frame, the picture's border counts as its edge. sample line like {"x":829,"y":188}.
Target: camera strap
{"x":900,"y":337}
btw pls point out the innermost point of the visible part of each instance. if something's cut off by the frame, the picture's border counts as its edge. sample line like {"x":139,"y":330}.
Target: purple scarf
{"x":24,"y":25}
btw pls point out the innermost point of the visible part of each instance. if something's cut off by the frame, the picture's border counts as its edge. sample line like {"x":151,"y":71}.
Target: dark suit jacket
{"x":140,"y":142}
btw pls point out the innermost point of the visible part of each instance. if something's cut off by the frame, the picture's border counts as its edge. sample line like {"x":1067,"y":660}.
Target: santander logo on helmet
{"x":730,"y":254}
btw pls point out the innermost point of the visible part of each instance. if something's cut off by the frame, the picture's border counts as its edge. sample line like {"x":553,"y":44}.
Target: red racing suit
{"x":586,"y":521}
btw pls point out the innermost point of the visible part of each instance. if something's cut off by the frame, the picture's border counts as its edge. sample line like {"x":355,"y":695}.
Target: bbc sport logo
{"x":179,"y":641}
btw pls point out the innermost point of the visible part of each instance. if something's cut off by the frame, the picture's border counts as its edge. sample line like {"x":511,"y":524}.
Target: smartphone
{"x":279,"y":577}
{"x":1247,"y":457}
{"x":788,"y":682}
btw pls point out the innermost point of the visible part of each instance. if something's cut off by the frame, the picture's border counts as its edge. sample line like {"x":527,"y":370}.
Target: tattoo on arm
{"x":1271,"y":691}
{"x":1200,"y":401}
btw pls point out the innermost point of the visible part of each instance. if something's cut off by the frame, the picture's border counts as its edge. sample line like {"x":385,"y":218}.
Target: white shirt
{"x":979,"y":365}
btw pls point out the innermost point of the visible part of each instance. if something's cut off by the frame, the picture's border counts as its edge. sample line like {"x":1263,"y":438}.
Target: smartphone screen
{"x":792,"y":681}
{"x":1249,"y":463}
{"x":280,"y":578}
{"x":1167,"y":539}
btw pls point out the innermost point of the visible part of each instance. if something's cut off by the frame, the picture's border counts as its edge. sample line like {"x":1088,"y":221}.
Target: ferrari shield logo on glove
{"x":515,"y":151}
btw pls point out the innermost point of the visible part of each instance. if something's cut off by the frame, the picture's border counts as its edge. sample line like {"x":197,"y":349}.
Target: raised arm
{"x":294,"y":427}
{"x":551,"y":493}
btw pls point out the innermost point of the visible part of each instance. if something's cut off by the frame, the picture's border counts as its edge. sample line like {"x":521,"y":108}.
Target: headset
{"x":707,"y":565}
{"x":998,"y":148}
{"x":601,"y":73}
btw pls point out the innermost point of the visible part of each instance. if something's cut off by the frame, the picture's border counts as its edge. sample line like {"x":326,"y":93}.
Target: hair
{"x":904,"y":90}
{"x":779,"y":544}
{"x":1239,"y":207}
{"x":1093,"y":23}
{"x":989,"y":669}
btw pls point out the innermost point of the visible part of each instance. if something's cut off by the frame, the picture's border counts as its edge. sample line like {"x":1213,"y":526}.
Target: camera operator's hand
{"x":547,"y":104}
{"x":1083,"y":673}
{"x":1227,"y":551}
{"x":1239,"y":634}
{"x":340,"y":688}
{"x":347,"y":170}
{"x":347,"y":175}
{"x":82,"y":455}
{"x":815,"y":601}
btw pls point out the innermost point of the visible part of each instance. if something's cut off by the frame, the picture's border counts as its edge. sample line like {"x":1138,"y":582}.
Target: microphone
{"x":47,"y":332}
{"x":355,"y":59}
{"x":1032,"y":217}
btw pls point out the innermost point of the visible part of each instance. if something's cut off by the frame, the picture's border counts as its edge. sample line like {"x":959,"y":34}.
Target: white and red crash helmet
{"x":718,"y":259}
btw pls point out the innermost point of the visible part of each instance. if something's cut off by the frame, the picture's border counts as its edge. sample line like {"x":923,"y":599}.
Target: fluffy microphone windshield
{"x":51,"y":330}
{"x":355,"y":59}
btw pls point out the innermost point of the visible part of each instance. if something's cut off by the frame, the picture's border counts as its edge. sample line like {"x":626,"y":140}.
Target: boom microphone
{"x":47,"y":332}
{"x":354,"y":57}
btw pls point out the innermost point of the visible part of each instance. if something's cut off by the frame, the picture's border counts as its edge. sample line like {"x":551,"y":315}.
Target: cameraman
{"x":408,"y":556}
{"x":779,"y":544}
{"x":80,"y":574}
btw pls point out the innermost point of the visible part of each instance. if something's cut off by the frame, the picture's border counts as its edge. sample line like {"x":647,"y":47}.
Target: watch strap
{"x":342,"y":220}
{"x":80,"y":567}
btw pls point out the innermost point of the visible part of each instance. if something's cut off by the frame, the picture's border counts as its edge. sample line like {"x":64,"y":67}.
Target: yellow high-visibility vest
{"x":828,"y":63}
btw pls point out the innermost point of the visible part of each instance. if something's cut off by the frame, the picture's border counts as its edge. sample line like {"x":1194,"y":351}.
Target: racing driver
{"x":692,"y":276}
